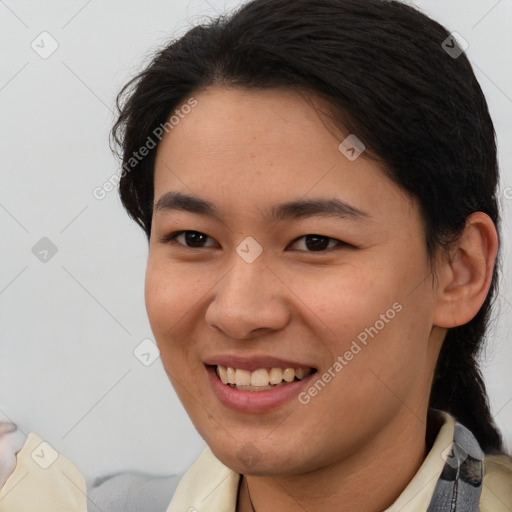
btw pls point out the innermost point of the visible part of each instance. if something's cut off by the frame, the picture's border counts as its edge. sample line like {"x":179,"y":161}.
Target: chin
{"x":251,"y":459}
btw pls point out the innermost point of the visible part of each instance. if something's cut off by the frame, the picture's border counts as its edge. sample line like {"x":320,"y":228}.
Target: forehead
{"x":242,"y":147}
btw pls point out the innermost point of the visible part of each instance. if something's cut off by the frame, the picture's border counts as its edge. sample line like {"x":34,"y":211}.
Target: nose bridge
{"x":248,"y":298}
{"x":248,"y":269}
{"x":249,"y":281}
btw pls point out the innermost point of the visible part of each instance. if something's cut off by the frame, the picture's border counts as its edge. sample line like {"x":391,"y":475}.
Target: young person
{"x":317,"y":180}
{"x":323,"y":255}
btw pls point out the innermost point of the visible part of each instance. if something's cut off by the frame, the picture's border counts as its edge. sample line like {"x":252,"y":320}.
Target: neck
{"x":370,"y":479}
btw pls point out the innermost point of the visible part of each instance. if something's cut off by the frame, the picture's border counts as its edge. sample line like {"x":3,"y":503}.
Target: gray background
{"x":69,"y":325}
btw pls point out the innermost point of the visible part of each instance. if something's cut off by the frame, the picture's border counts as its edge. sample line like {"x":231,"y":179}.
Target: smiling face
{"x":346,"y":294}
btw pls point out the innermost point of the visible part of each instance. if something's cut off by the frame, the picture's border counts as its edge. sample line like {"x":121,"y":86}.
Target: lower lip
{"x":254,"y":401}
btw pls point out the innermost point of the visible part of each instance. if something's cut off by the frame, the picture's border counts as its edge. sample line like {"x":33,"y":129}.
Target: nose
{"x":249,"y":302}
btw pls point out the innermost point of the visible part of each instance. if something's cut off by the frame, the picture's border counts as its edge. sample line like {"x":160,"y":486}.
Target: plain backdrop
{"x":72,"y":266}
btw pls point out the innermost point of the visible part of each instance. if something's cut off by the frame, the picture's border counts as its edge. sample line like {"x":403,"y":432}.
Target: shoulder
{"x":50,"y":480}
{"x":499,"y":464}
{"x":497,"y":484}
{"x":132,"y":492}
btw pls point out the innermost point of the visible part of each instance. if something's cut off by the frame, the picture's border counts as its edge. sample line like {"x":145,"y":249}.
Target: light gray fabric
{"x":131,"y":492}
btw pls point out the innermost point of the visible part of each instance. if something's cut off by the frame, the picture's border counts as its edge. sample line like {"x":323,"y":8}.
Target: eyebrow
{"x":298,"y":209}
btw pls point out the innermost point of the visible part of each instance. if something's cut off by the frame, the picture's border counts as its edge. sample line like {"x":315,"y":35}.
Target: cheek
{"x":341,"y":303}
{"x":173,"y":299}
{"x":384,"y":351}
{"x":169,"y":299}
{"x":159,"y":297}
{"x":377,"y":314}
{"x":170,"y":291}
{"x":167,"y":306}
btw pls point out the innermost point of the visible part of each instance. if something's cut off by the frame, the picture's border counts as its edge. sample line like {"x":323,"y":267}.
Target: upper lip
{"x":254,"y":363}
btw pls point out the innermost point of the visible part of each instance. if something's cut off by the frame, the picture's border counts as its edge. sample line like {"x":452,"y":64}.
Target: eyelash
{"x":171,"y":239}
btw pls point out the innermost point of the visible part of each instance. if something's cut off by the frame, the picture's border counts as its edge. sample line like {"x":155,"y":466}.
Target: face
{"x":343,"y":292}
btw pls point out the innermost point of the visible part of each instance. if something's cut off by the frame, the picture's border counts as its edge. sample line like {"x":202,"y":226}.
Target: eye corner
{"x":166,"y":239}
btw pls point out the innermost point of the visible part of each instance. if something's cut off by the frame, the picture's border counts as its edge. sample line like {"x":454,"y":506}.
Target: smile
{"x":262,"y":379}
{"x":257,"y":384}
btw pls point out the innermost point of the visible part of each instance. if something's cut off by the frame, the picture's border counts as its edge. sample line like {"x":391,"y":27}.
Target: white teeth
{"x":289,"y":374}
{"x":263,"y":378}
{"x":259,"y":378}
{"x":230,"y":375}
{"x":223,"y":374}
{"x":242,"y":377}
{"x":276,"y":375}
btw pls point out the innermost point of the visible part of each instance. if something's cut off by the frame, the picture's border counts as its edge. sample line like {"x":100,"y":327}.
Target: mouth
{"x":258,"y":385}
{"x":261,"y":379}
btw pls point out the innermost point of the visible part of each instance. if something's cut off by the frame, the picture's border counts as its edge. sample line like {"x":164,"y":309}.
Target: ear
{"x":465,"y":273}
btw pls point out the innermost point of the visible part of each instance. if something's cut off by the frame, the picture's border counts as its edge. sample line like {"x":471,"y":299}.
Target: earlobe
{"x":465,"y":273}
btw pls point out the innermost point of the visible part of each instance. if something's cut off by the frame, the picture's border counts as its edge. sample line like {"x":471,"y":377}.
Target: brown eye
{"x":319,"y":243}
{"x":192,"y":239}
